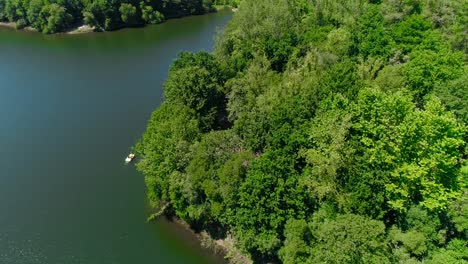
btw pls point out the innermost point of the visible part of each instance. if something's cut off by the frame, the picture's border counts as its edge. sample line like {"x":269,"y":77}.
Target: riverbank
{"x":84,"y":29}
{"x":81,"y":30}
{"x":225,"y":246}
{"x":12,"y":25}
{"x":223,"y":7}
{"x":74,"y":30}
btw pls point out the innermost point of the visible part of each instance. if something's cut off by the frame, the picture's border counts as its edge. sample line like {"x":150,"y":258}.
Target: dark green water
{"x":70,"y":108}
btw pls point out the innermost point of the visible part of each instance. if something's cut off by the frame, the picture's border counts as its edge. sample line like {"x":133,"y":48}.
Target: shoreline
{"x":81,"y":29}
{"x":225,"y":246}
{"x":85,"y":29}
{"x":12,"y":25}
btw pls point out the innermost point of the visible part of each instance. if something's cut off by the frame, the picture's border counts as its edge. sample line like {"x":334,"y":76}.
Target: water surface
{"x":70,"y":108}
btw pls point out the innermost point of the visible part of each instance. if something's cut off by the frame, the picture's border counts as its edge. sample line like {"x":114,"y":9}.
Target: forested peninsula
{"x":52,"y":16}
{"x":331,"y":131}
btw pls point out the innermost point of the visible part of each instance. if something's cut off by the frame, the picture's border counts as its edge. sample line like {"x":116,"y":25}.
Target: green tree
{"x":165,"y":147}
{"x":3,"y":16}
{"x":128,"y":13}
{"x":328,"y":154}
{"x":269,"y":27}
{"x":415,"y":154}
{"x":396,"y":10}
{"x":339,"y":41}
{"x":90,"y":19}
{"x":421,"y":232}
{"x":427,"y":68}
{"x":450,"y":17}
{"x":192,"y":84}
{"x":15,"y":10}
{"x":455,"y":252}
{"x":454,"y":94}
{"x":372,"y":37}
{"x":149,"y":15}
{"x":269,"y":196}
{"x":35,"y":7}
{"x":458,"y":213}
{"x":297,"y":241}
{"x":57,"y":18}
{"x":208,"y":172}
{"x":349,"y":239}
{"x":410,"y":32}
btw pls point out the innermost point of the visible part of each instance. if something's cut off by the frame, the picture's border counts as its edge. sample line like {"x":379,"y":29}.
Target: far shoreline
{"x":85,"y":29}
{"x":75,"y":30}
{"x":12,"y":25}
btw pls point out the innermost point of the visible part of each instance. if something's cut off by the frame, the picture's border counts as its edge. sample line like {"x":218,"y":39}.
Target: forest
{"x":52,"y":16}
{"x":321,"y":131}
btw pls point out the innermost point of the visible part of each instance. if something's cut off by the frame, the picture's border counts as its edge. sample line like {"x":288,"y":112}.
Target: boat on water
{"x":129,"y":158}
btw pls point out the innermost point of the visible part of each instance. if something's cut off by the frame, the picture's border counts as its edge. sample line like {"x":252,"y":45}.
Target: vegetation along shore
{"x":321,"y":132}
{"x":81,"y":16}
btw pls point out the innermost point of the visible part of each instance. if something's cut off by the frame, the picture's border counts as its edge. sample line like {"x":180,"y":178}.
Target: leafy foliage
{"x":321,"y":132}
{"x":56,"y":16}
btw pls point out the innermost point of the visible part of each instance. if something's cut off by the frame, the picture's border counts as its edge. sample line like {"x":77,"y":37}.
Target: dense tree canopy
{"x":50,"y":16}
{"x":321,"y":132}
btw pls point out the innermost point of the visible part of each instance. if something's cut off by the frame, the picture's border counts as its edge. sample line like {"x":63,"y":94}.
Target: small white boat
{"x":129,"y":158}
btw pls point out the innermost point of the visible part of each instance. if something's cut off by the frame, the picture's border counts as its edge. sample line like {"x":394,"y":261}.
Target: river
{"x":71,"y":106}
